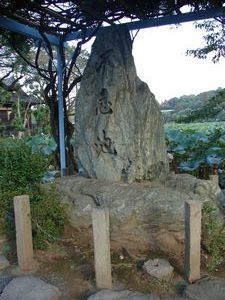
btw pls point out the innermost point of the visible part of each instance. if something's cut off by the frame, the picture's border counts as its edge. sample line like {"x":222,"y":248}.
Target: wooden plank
{"x":23,"y":233}
{"x":192,"y":257}
{"x":100,"y":222}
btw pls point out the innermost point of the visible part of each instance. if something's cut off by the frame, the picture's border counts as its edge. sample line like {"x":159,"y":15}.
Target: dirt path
{"x":71,"y":269}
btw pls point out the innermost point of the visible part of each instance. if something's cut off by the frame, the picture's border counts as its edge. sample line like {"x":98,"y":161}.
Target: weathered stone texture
{"x":143,"y":216}
{"x":206,"y":289}
{"x":30,"y":288}
{"x":159,"y":268}
{"x":121,"y":295}
{"x":119,"y":127}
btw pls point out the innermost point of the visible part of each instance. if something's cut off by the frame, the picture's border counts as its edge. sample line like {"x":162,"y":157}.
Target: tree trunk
{"x":69,"y":129}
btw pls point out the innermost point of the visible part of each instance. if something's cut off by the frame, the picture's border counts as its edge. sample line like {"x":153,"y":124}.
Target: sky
{"x":161,"y":62}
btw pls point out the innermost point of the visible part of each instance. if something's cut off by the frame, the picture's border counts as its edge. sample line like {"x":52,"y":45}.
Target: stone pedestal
{"x":143,"y":216}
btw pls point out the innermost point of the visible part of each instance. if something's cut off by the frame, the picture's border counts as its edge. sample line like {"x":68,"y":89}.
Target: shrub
{"x":20,"y":168}
{"x":213,"y":235}
{"x":48,"y":217}
{"x":21,"y":171}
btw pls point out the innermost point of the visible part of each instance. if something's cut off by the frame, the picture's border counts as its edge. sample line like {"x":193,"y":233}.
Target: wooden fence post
{"x":100,"y":222}
{"x":24,"y":241}
{"x":192,"y":256}
{"x":215,"y":179}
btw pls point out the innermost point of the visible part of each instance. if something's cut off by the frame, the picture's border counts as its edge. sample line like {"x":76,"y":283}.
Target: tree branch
{"x":4,"y":77}
{"x":12,"y":87}
{"x":39,"y":70}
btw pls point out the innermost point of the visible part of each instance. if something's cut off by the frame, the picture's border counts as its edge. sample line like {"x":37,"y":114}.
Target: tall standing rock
{"x":119,"y":126}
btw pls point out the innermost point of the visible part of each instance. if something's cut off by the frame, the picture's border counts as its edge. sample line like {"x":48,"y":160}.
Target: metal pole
{"x":61,"y":113}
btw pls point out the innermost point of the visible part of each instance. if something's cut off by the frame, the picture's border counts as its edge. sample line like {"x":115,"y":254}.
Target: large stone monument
{"x":119,"y":140}
{"x":119,"y":126}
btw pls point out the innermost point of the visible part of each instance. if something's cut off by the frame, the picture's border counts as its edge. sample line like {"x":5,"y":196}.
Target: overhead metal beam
{"x":28,"y":31}
{"x":176,"y":19}
{"x":161,"y":21}
{"x":25,"y":30}
{"x":62,"y":149}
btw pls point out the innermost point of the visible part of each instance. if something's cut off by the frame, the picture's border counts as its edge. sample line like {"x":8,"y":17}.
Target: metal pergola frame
{"x":33,"y":33}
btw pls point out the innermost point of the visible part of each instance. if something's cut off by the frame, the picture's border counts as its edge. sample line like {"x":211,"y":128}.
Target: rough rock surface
{"x":119,"y":126}
{"x":159,"y":268}
{"x":121,"y":295}
{"x":4,"y":281}
{"x":29,"y":287}
{"x":143,"y":216}
{"x":207,"y":289}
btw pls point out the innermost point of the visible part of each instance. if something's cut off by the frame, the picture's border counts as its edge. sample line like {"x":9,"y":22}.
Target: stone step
{"x":206,"y":289}
{"x":30,"y":288}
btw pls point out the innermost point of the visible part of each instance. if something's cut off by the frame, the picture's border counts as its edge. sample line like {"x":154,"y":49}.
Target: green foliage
{"x":6,"y":248}
{"x":195,"y":108}
{"x":20,"y":168}
{"x":21,"y":172}
{"x":43,"y":143}
{"x":20,"y":107}
{"x":22,"y":42}
{"x":213,"y":235}
{"x":206,"y":112}
{"x":41,"y":118}
{"x":47,"y":217}
{"x":214,"y":39}
{"x":197,"y":147}
{"x":4,"y":96}
{"x":1,"y":127}
{"x":17,"y":123}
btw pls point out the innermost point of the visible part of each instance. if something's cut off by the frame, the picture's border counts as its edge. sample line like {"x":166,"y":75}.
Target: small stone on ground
{"x":29,"y":287}
{"x":121,"y":295}
{"x":206,"y":289}
{"x":4,"y":263}
{"x":159,"y":268}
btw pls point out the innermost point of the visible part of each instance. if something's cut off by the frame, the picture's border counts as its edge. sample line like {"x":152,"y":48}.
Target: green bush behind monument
{"x":21,"y":172}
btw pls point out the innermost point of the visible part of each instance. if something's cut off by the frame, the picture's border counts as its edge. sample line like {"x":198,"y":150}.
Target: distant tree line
{"x":207,"y":106}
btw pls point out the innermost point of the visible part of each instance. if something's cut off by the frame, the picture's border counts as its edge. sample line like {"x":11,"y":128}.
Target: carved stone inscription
{"x":105,"y":145}
{"x":118,"y":124}
{"x":104,"y":105}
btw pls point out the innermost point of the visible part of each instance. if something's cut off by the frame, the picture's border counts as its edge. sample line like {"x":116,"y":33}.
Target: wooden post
{"x":192,"y":256}
{"x":214,"y":178}
{"x":23,"y":233}
{"x":100,"y":222}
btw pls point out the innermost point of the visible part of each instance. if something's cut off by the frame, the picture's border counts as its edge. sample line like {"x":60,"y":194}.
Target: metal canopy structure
{"x":31,"y":32}
{"x":28,"y":31}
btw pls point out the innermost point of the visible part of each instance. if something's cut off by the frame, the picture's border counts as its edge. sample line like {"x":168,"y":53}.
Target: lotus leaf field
{"x":197,"y":148}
